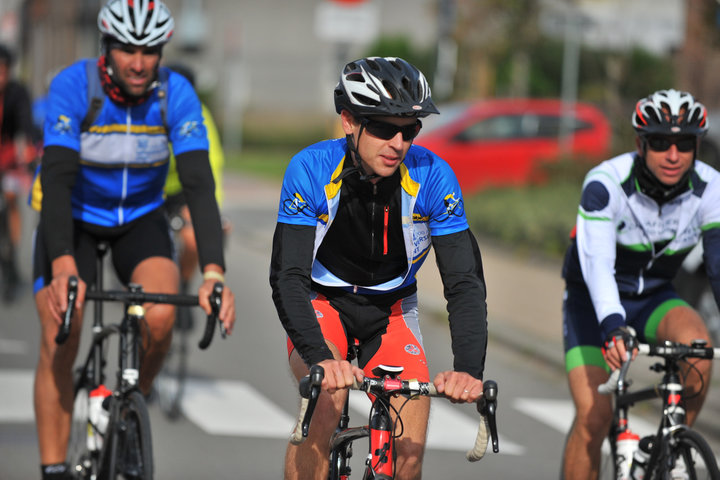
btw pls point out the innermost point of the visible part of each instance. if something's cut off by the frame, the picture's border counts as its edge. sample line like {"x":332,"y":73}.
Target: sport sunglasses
{"x":386,"y":131}
{"x":662,"y":144}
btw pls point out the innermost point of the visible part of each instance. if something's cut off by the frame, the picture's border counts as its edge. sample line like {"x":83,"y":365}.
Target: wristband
{"x":213,"y":275}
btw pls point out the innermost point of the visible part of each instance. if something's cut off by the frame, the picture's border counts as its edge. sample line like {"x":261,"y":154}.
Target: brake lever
{"x":215,"y":304}
{"x":488,"y":408}
{"x":64,"y":331}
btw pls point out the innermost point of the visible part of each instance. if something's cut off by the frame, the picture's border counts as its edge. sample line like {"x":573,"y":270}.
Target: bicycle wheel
{"x":170,"y":383}
{"x":81,"y":460}
{"x":691,"y":458}
{"x":128,"y":450}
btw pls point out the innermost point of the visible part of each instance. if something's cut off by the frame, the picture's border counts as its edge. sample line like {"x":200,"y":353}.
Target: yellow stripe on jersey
{"x":121,"y":128}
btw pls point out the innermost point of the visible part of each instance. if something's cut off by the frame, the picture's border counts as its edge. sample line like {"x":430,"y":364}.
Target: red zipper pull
{"x":385,"y":229}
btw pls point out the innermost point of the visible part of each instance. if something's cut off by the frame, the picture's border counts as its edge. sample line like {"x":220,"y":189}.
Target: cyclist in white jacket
{"x":640,"y":214}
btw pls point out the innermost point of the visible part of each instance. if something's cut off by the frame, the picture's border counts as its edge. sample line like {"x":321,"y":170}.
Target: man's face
{"x":4,"y":76}
{"x":669,"y":157}
{"x":381,"y":156}
{"x":134,"y":67}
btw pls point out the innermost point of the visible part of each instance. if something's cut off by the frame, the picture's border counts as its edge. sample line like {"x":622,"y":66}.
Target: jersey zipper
{"x":385,"y":229}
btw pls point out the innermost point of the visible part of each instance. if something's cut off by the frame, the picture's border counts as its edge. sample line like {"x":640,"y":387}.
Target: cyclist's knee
{"x":160,"y":320}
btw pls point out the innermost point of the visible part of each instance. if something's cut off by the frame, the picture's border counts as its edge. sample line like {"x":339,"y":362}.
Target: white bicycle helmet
{"x":383,"y":86}
{"x":145,"y":23}
{"x":670,"y":112}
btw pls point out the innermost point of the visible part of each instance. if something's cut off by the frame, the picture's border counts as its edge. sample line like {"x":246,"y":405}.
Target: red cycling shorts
{"x":390,"y":336}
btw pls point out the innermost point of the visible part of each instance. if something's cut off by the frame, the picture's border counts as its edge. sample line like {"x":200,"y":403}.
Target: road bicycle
{"x":381,"y":429}
{"x":675,"y":451}
{"x":121,"y":447}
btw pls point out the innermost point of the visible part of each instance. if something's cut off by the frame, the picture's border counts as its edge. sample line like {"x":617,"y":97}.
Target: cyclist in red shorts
{"x":357,"y":218}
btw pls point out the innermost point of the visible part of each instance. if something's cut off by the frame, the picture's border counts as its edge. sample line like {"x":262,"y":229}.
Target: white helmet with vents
{"x":145,"y":23}
{"x":670,"y":112}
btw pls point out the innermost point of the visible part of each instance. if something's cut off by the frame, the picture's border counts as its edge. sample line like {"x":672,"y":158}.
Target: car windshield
{"x":448,"y":114}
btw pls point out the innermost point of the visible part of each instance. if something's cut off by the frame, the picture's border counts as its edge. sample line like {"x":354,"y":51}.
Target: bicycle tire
{"x":170,"y":383}
{"x":692,"y":456}
{"x":81,"y":460}
{"x":128,"y":449}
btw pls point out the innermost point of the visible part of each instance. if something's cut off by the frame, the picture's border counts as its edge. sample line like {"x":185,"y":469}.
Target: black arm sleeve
{"x":458,"y":259}
{"x":199,"y":190}
{"x":290,"y":269}
{"x":57,"y":177}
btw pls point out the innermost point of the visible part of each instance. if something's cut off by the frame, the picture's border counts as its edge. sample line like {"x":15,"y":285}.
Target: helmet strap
{"x":356,"y":158}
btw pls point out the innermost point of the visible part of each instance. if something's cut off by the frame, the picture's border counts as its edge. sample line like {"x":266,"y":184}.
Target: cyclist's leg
{"x":144,"y":255}
{"x":401,"y":344}
{"x":311,"y":458}
{"x":676,"y":321}
{"x":586,"y":369}
{"x":53,"y":388}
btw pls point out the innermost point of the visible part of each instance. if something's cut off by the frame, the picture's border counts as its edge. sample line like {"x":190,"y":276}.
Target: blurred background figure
{"x":175,"y":202}
{"x":17,"y":153}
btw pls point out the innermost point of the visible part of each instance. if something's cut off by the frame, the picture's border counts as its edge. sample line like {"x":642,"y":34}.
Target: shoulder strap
{"x":95,"y":96}
{"x":163,"y":96}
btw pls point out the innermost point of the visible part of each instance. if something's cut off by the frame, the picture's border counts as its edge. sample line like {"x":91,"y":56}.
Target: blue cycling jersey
{"x":431,"y":204}
{"x":124,"y":154}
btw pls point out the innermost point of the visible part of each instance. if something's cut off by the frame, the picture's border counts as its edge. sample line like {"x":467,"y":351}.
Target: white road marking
{"x":234,"y":408}
{"x":559,"y":415}
{"x":16,"y":396}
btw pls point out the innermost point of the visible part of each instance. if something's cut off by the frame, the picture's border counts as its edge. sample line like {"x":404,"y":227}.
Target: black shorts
{"x":130,"y":244}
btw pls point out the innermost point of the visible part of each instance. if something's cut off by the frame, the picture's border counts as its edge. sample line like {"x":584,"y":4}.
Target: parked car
{"x":504,"y":142}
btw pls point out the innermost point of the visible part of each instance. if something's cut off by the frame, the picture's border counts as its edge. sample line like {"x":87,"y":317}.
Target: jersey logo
{"x":190,"y":128}
{"x":453,"y":207}
{"x":62,"y":126}
{"x":296,"y":206}
{"x":412,"y":349}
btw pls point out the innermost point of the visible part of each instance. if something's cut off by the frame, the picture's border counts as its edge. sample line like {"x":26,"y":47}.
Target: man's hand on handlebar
{"x":339,"y":374}
{"x":617,"y":345}
{"x":63,"y":268}
{"x":227,"y":309}
{"x":459,"y":387}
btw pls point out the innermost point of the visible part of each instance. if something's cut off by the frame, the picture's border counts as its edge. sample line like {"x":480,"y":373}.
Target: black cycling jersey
{"x":365,"y":245}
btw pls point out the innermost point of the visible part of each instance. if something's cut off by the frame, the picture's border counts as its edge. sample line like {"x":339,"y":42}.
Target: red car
{"x":503,"y":142}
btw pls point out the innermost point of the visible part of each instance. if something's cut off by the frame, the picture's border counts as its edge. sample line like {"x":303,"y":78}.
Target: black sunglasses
{"x":386,"y":131}
{"x":662,"y":144}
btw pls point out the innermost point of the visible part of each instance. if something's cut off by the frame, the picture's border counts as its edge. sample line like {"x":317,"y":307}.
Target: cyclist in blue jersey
{"x":102,"y":179}
{"x":640,"y":214}
{"x":357,"y":218}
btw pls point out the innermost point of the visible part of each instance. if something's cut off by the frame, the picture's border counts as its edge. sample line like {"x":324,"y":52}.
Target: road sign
{"x":354,"y":21}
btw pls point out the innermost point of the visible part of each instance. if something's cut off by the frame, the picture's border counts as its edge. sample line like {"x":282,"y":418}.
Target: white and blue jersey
{"x":124,"y":153}
{"x":627,"y":246}
{"x":431,"y":205}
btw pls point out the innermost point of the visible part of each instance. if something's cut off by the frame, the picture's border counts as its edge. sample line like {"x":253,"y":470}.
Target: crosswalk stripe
{"x":223,"y":407}
{"x":16,"y":401}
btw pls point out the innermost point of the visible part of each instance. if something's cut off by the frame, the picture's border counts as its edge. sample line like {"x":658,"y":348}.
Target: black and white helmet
{"x":383,"y":86}
{"x":670,"y":112}
{"x":146,"y":23}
